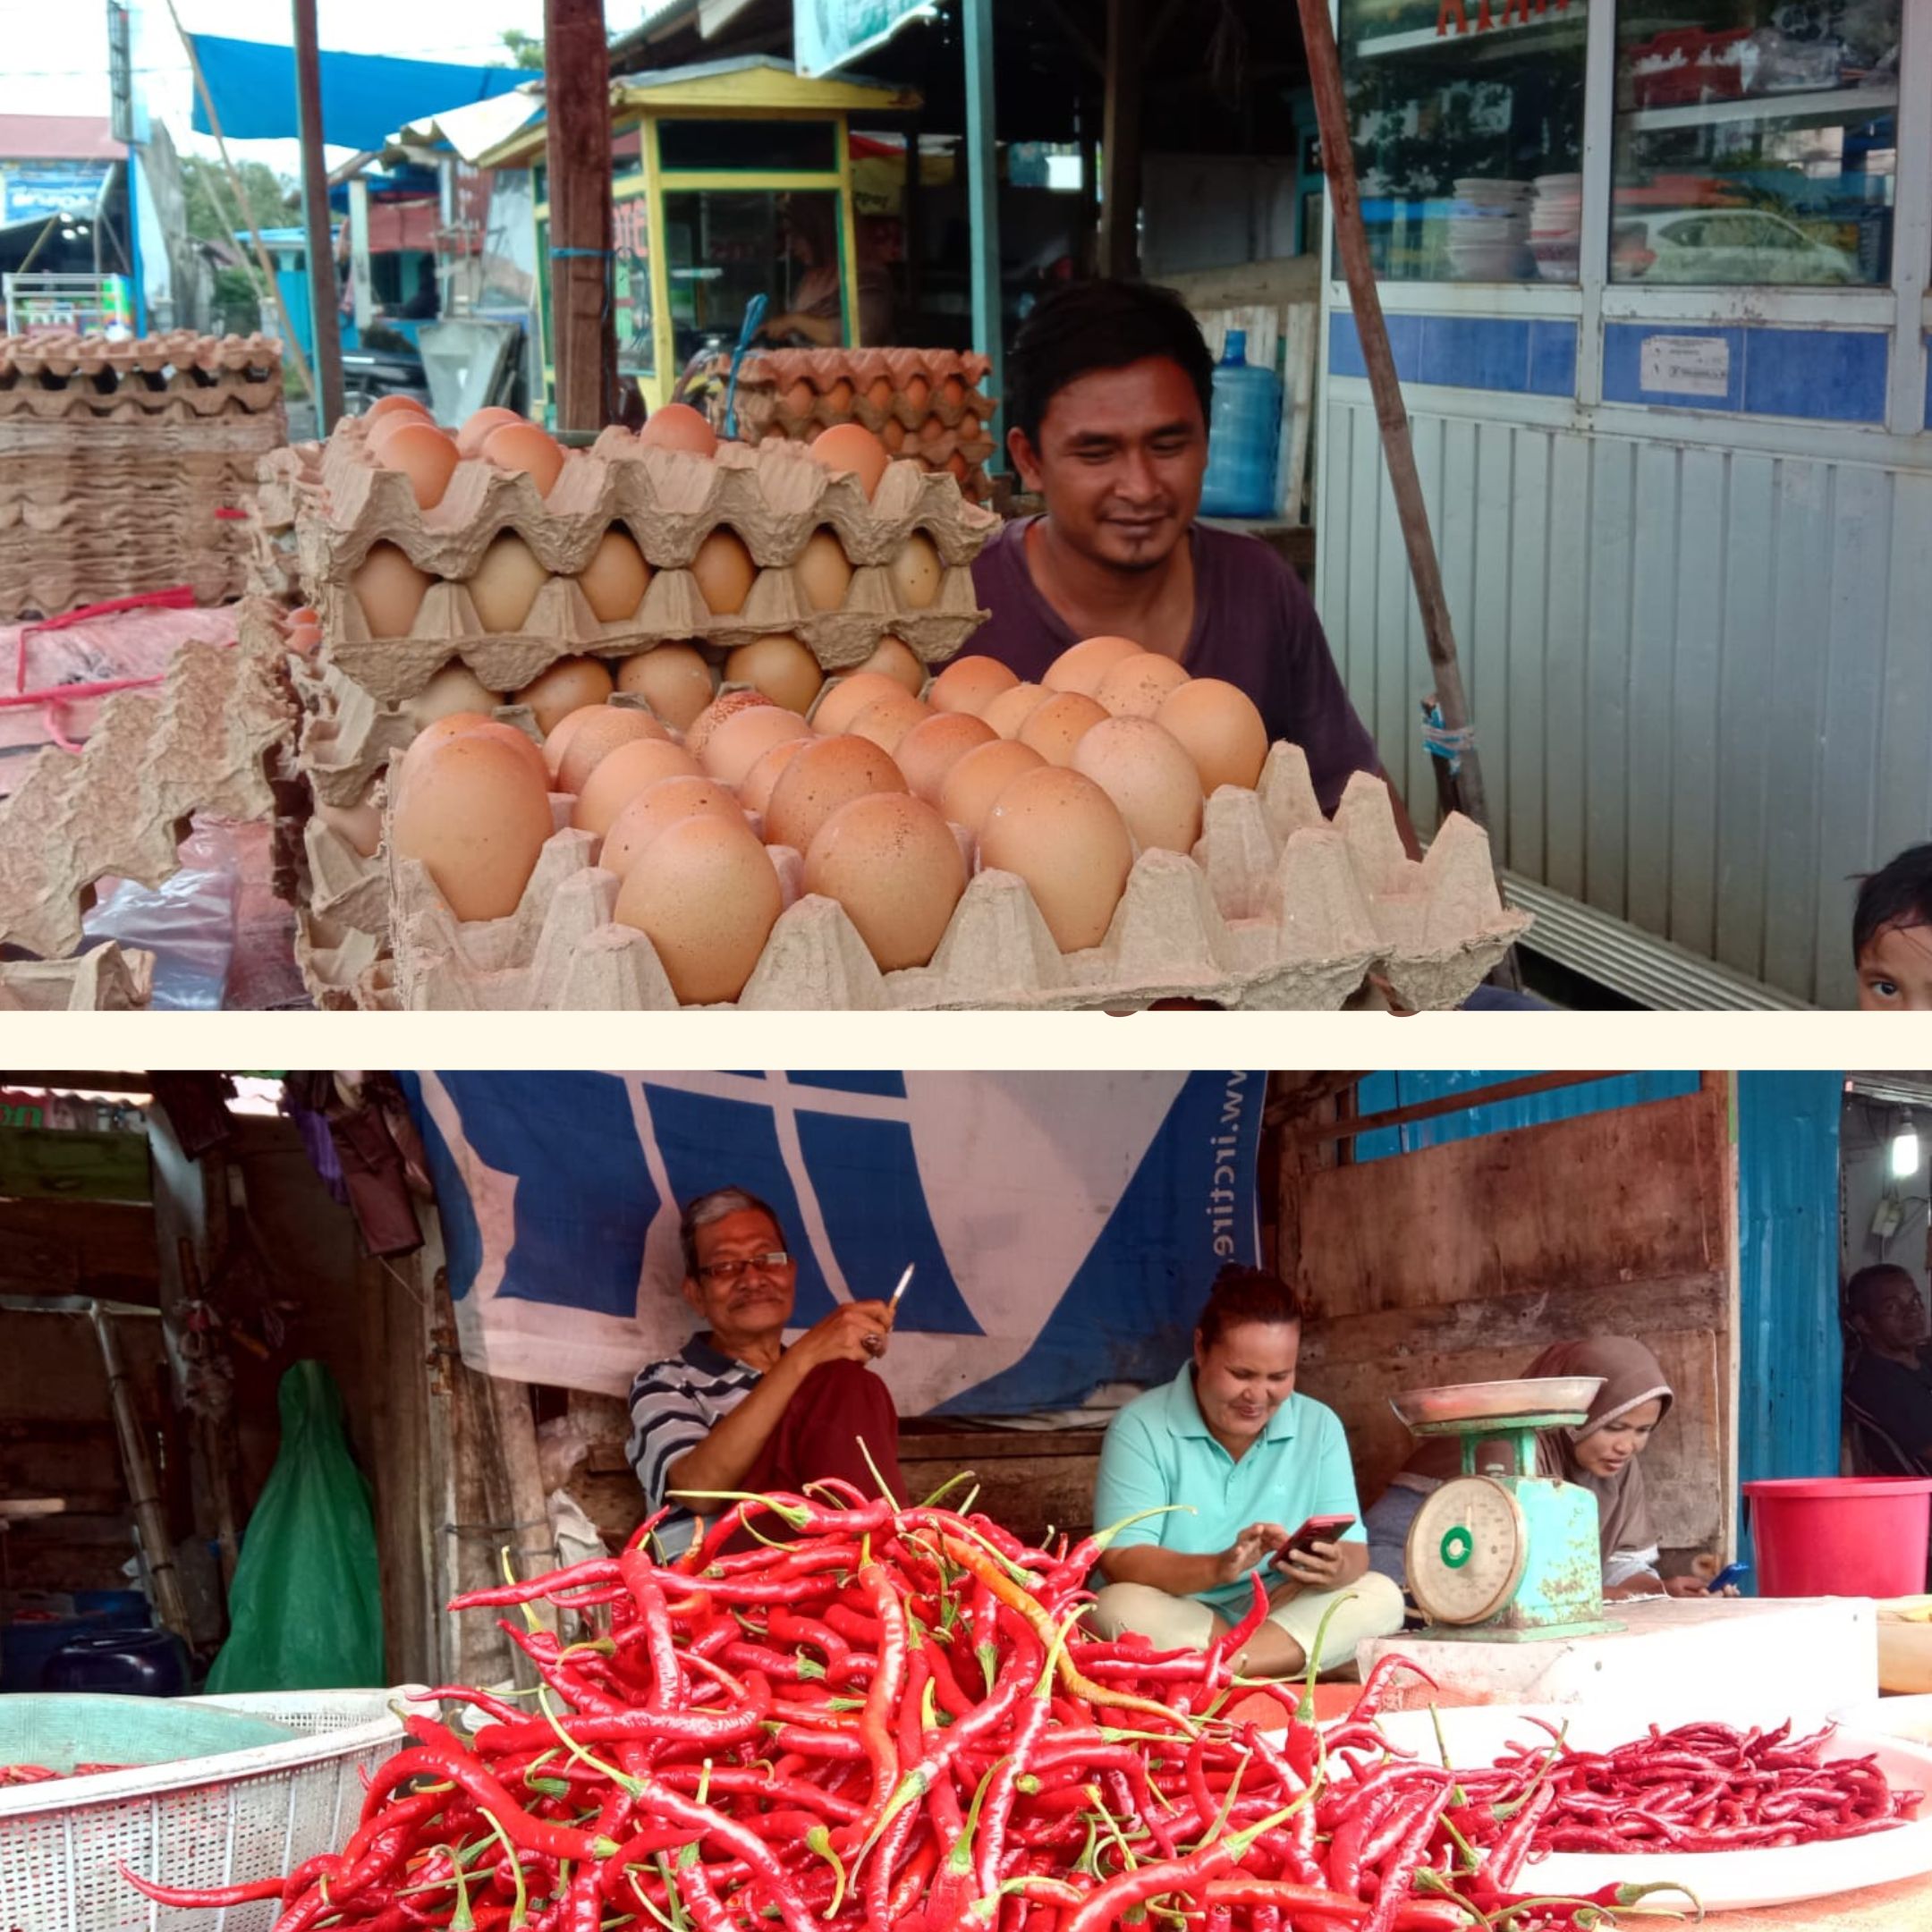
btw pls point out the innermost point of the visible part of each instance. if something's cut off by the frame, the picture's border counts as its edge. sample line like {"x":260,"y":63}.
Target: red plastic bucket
{"x":1841,"y":1536}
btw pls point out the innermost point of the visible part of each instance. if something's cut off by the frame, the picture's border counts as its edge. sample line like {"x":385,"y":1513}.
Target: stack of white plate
{"x":1556,"y":225}
{"x":1489,"y":231}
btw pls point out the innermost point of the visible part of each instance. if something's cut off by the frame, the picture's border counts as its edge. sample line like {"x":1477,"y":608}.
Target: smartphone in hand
{"x":1316,"y":1529}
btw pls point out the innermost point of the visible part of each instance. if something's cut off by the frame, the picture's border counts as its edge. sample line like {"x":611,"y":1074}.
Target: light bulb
{"x":1905,"y":1153}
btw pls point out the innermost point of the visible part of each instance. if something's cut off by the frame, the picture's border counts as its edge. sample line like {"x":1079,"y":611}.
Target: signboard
{"x":32,"y":191}
{"x":120,"y":73}
{"x":830,"y":34}
{"x":1685,"y":365}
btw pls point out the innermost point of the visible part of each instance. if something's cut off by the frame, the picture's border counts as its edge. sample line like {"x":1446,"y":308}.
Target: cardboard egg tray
{"x":774,"y":497}
{"x":1277,"y":909}
{"x":177,"y":377}
{"x":204,"y":740}
{"x":108,"y":979}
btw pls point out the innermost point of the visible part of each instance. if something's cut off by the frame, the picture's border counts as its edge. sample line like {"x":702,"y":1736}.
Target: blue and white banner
{"x":1065,"y":1226}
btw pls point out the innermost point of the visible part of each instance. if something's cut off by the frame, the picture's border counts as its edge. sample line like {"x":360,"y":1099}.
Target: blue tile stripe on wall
{"x":1816,"y":374}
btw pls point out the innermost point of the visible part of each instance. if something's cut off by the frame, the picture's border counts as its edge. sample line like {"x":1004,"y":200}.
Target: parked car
{"x":1723,"y":246}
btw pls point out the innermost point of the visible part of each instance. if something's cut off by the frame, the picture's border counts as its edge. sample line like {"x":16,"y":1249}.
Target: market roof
{"x":364,"y":95}
{"x":753,"y":81}
{"x":58,"y":138}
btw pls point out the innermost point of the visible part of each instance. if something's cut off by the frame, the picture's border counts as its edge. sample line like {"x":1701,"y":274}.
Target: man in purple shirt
{"x":1108,"y":393}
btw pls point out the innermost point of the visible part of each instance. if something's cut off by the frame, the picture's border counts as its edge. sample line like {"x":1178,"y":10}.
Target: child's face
{"x":1895,"y":971}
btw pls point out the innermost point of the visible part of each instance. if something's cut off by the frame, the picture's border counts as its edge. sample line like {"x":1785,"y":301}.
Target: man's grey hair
{"x":705,"y":1208}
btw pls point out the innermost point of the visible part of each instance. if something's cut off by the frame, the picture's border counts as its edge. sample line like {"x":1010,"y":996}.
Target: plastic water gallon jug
{"x":1243,"y":436}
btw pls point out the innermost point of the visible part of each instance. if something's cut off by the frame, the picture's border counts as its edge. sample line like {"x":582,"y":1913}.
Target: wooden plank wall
{"x":1458,"y":1263}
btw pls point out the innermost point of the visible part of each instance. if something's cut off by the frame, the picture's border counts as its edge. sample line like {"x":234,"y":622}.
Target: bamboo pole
{"x":325,"y":327}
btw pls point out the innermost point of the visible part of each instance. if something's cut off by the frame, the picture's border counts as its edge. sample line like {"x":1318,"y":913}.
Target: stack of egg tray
{"x":1277,"y":908}
{"x":117,"y":478}
{"x":897,"y":393}
{"x":108,"y":979}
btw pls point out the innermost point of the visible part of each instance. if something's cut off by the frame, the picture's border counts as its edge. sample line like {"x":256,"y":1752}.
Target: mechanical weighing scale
{"x":1502,"y":1555}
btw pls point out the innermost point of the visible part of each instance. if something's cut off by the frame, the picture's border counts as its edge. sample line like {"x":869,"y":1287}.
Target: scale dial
{"x":1466,"y":1550}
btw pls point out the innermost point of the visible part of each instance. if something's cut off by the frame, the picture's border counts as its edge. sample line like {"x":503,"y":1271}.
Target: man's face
{"x":1120,"y":460}
{"x":733,"y":1292}
{"x":1892,"y":1315}
{"x":1895,"y":971}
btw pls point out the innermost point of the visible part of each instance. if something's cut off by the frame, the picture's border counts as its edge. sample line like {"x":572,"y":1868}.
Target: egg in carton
{"x":346,"y":970}
{"x":110,"y":979}
{"x":669,"y":502}
{"x":1277,"y":909}
{"x":797,"y":391}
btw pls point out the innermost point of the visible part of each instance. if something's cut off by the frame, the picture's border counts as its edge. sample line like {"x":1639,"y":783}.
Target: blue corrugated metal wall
{"x":1379,"y":1091}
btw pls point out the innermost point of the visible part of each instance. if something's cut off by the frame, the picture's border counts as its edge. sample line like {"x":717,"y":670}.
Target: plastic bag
{"x":188,"y":921}
{"x":306,"y":1610}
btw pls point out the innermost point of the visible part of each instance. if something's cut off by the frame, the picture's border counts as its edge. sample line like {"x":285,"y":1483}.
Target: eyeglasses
{"x":729,"y":1271}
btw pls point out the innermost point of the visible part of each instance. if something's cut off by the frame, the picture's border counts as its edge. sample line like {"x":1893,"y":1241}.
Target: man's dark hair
{"x":1897,"y":894}
{"x":1101,"y":324}
{"x":1246,"y":1294}
{"x":1867,"y":1282}
{"x":704,"y":1209}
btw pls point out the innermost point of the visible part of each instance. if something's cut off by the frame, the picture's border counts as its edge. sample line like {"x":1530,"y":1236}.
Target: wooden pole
{"x":1338,"y":162}
{"x":982,"y":202}
{"x":325,"y":324}
{"x":1120,"y":143}
{"x":578,"y":151}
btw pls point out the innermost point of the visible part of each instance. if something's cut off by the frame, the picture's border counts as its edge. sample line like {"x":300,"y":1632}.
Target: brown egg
{"x":615,"y":579}
{"x":672,"y":679}
{"x":934,"y":746}
{"x":425,"y":456}
{"x":886,"y":720}
{"x":380,"y":433}
{"x":827,"y":773}
{"x":897,"y":659}
{"x":664,"y":804}
{"x":743,"y":740}
{"x":424,"y":746}
{"x":918,"y":391}
{"x":781,"y":667}
{"x":477,"y":818}
{"x":620,"y":774}
{"x":568,"y":685}
{"x":727,"y":704}
{"x":755,"y":793}
{"x":395,"y":405}
{"x":359,"y":826}
{"x":390,"y":589}
{"x":454,"y":688}
{"x":725,"y":572}
{"x":892,"y":861}
{"x":880,"y":391}
{"x":800,"y":399}
{"x":505,"y":583}
{"x":970,"y":684}
{"x":706,"y":895}
{"x":1062,"y":834}
{"x":1012,"y":707}
{"x":850,"y":449}
{"x":588,"y":737}
{"x":952,"y":392}
{"x":971,"y":428}
{"x":915,"y":573}
{"x":1222,"y":730}
{"x":957,"y":467}
{"x":472,"y":437}
{"x":892,"y":434}
{"x":979,"y":778}
{"x":839,"y":396}
{"x":847,"y":695}
{"x":1054,"y":728}
{"x":524,"y":446}
{"x":1081,"y":666}
{"x":305,"y":613}
{"x":1138,"y":687}
{"x":824,"y":572}
{"x":678,"y":425}
{"x":1147,"y":771}
{"x":304,"y":639}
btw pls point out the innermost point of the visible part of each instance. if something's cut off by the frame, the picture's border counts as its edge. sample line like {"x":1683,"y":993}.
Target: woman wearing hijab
{"x":1601,"y":1455}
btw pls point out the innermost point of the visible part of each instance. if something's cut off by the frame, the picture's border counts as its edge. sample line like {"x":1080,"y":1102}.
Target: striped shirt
{"x":674,"y":1404}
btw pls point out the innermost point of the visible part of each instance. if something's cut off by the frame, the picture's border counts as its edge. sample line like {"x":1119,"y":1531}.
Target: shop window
{"x":763,"y":147}
{"x":1755,"y":142}
{"x":1467,"y":119}
{"x":724,"y":246}
{"x":630,"y":285}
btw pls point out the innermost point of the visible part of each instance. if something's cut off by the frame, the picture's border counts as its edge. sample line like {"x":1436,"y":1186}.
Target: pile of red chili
{"x":893,"y":1720}
{"x":15,"y":1774}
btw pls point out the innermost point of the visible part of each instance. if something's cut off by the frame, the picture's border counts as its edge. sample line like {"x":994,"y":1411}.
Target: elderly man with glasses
{"x":737,"y":1410}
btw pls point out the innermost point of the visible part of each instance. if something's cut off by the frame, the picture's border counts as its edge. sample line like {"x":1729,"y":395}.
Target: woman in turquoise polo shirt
{"x":1248,"y":1461}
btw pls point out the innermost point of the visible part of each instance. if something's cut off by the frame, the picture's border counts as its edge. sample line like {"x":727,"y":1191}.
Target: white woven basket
{"x":200,"y":1821}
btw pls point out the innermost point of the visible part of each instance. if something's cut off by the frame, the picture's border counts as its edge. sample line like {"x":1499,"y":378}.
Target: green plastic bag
{"x":306,"y":1610}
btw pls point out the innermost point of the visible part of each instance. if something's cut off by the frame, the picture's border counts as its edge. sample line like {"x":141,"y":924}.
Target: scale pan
{"x":1497,"y":1402}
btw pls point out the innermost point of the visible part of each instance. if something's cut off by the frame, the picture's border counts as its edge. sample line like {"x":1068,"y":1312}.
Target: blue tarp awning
{"x":365,"y":97}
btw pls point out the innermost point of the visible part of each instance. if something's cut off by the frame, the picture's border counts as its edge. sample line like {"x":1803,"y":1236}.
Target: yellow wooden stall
{"x":705,"y":162}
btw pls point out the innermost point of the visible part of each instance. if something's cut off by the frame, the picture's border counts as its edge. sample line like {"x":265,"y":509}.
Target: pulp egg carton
{"x":775,"y":498}
{"x":110,"y":979}
{"x":346,"y":970}
{"x":175,"y":377}
{"x":1277,"y":908}
{"x":206,"y":739}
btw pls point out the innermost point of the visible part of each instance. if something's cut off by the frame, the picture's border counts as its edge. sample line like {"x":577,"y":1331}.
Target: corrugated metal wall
{"x":1380,"y":1091}
{"x":1701,"y":679}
